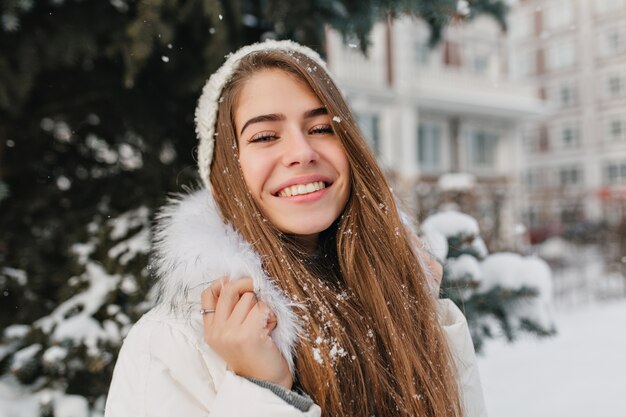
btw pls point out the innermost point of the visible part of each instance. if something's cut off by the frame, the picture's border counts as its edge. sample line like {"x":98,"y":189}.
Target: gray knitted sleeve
{"x":301,"y":402}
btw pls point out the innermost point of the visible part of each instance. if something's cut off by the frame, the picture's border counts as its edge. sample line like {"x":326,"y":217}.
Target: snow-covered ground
{"x":581,"y":372}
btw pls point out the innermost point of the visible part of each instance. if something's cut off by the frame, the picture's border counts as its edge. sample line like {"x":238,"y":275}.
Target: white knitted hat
{"x":206,"y":111}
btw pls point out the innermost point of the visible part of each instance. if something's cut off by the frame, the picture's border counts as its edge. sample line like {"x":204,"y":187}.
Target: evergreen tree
{"x":501,"y":294}
{"x":96,"y":126}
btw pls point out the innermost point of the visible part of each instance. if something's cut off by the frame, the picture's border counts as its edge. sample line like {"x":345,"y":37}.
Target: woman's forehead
{"x":274,"y":91}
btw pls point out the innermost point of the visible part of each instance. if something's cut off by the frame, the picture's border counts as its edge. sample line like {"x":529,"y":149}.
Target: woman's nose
{"x":298,"y":149}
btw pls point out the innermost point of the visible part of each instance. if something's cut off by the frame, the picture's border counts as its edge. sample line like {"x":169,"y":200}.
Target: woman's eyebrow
{"x":276,"y":117}
{"x":315,"y":112}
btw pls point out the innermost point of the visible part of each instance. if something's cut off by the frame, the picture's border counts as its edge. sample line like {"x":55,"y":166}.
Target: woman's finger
{"x":261,"y":317}
{"x":270,"y":317}
{"x":228,"y":295}
{"x":272,"y":321}
{"x":243,"y":307}
{"x":208,"y":302}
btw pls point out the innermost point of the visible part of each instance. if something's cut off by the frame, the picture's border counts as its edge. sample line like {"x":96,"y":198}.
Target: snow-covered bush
{"x":502,"y":293}
{"x":61,"y":364}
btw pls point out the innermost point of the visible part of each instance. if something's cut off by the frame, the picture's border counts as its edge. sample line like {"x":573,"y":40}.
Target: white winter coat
{"x":166,"y":369}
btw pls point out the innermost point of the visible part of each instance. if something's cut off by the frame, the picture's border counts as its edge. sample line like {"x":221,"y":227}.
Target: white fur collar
{"x":193,"y":246}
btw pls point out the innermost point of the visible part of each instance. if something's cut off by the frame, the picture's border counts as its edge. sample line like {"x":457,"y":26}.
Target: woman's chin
{"x":307,"y":229}
{"x":307,"y":236}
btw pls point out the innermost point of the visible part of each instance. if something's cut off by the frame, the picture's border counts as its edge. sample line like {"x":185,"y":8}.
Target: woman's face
{"x":293,"y":163}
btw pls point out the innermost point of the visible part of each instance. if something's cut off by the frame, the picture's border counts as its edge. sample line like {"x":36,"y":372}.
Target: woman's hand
{"x":239,"y":331}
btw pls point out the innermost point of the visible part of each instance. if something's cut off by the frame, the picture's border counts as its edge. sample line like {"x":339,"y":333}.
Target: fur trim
{"x":206,"y":110}
{"x":193,"y":247}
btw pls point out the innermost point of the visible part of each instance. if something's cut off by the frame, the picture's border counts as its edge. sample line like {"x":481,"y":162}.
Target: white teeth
{"x":301,"y":189}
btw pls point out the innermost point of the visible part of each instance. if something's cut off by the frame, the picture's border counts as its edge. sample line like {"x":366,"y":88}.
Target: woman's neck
{"x":308,"y":243}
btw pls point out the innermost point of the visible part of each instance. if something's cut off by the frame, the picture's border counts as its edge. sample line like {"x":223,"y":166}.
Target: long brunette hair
{"x":372,"y":344}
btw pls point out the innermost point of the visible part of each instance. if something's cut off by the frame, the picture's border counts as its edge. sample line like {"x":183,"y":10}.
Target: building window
{"x":569,"y":136}
{"x":523,"y":25}
{"x":614,"y":86}
{"x":611,"y":174}
{"x":422,"y":52}
{"x":530,"y":139}
{"x":483,"y":149}
{"x":480,"y":64}
{"x":536,"y":179}
{"x":616,"y":129}
{"x":525,"y":64}
{"x":559,"y":15}
{"x":614,"y":41}
{"x":611,"y":42}
{"x":570,"y":176}
{"x":567,"y":96}
{"x":532,"y":217}
{"x":615,"y":173}
{"x":561,"y":55}
{"x":530,"y":179}
{"x":428,"y":145}
{"x":369,"y":124}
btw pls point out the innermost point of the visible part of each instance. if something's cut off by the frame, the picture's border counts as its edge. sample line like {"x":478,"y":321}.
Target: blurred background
{"x":500,"y":124}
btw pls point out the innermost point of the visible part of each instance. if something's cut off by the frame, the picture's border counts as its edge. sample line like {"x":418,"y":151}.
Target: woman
{"x":312,"y":297}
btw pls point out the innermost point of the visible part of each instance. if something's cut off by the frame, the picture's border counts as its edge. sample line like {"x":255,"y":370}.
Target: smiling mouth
{"x":302,"y":189}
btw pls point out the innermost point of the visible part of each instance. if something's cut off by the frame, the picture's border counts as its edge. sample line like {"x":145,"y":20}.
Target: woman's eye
{"x":262,"y":137}
{"x":321,"y":129}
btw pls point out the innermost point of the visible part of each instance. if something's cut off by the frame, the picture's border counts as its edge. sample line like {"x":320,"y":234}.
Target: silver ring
{"x":204,"y":311}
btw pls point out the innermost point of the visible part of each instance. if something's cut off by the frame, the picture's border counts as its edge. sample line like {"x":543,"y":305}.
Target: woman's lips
{"x":301,"y":180}
{"x":307,"y":198}
{"x":301,"y":189}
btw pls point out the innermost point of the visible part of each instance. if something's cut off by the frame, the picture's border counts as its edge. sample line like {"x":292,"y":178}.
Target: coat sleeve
{"x":460,"y":342}
{"x":161,"y":372}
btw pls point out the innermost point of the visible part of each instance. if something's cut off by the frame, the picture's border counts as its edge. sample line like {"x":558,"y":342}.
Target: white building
{"x":575,"y":53}
{"x":452,"y":109}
